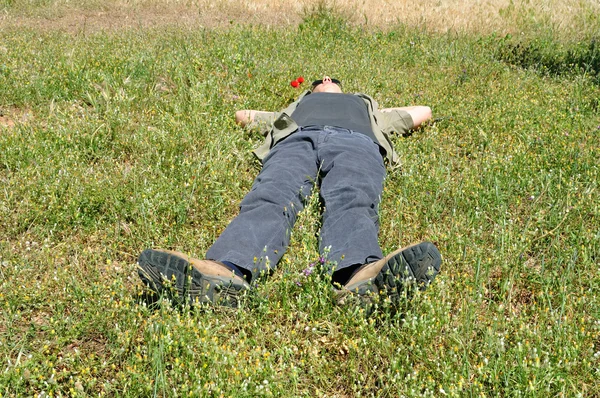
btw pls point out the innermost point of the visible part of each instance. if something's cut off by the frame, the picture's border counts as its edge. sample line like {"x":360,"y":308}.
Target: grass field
{"x":116,"y":136}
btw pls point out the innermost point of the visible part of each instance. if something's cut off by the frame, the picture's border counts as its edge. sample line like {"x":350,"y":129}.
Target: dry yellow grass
{"x":501,"y":16}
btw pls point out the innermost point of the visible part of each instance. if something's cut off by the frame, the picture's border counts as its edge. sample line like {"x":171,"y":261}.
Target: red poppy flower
{"x":295,"y":83}
{"x":300,"y":80}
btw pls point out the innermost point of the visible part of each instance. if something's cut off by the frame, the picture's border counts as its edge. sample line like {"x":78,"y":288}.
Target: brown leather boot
{"x":415,"y":265}
{"x":194,"y":280}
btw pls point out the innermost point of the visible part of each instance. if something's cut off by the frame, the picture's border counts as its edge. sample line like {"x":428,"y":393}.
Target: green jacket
{"x":278,"y":125}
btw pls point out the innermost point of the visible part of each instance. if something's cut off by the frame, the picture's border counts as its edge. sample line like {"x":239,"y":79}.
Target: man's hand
{"x":419,"y":114}
{"x":247,"y":116}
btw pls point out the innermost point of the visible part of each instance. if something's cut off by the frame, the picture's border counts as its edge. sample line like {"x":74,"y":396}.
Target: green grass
{"x":126,"y":140}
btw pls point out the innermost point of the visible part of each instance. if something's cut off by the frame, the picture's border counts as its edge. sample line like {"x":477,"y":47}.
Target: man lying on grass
{"x":338,"y":141}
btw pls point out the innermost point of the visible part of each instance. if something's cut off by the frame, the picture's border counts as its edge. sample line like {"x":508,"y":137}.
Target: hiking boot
{"x":194,"y":281}
{"x":406,"y":268}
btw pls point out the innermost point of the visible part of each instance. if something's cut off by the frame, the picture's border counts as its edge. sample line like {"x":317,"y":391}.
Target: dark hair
{"x":320,"y":81}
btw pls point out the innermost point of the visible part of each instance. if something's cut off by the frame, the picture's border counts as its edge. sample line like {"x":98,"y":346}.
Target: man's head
{"x":327,"y":85}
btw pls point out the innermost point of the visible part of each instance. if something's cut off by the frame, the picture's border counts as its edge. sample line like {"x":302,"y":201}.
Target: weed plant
{"x":125,"y":140}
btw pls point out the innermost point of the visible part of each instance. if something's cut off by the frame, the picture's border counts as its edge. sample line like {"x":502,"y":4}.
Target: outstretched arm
{"x":419,"y":114}
{"x":247,"y":116}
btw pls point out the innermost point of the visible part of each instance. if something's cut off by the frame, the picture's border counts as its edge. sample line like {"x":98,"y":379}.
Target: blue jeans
{"x":349,"y":169}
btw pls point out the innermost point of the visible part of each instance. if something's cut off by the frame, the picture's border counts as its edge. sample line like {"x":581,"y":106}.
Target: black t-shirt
{"x":334,"y":109}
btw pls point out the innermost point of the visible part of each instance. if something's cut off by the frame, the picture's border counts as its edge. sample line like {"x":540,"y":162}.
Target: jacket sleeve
{"x":395,"y":121}
{"x":262,"y":122}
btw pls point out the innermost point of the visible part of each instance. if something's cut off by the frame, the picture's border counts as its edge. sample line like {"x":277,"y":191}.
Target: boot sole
{"x":413,"y":267}
{"x":416,"y":265}
{"x":166,"y":273}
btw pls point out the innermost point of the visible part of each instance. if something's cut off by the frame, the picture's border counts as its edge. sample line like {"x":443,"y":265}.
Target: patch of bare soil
{"x":5,"y":121}
{"x":9,"y":117}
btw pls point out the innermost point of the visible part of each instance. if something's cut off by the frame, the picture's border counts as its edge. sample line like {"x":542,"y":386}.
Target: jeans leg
{"x":257,"y":238}
{"x":351,"y":186}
